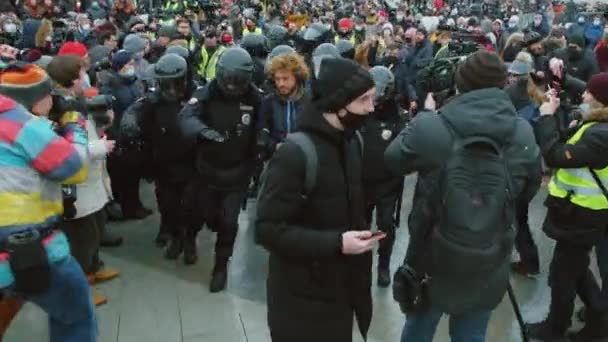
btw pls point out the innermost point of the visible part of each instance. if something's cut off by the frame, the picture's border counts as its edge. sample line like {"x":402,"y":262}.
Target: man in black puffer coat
{"x":320,"y":251}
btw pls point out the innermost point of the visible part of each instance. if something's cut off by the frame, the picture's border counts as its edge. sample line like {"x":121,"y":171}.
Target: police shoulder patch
{"x":193,"y":101}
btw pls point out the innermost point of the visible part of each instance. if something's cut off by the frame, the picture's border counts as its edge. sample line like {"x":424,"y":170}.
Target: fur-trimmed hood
{"x":599,"y":115}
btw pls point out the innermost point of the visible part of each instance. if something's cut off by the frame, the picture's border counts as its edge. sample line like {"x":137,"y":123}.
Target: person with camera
{"x":577,"y":213}
{"x":310,"y":215}
{"x":154,"y":120}
{"x":124,"y":164}
{"x":36,"y":161}
{"x":473,"y":157}
{"x":220,"y":123}
{"x":84,"y":223}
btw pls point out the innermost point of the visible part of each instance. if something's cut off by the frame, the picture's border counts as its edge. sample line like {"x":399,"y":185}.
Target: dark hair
{"x":105,"y":36}
{"x":65,"y":69}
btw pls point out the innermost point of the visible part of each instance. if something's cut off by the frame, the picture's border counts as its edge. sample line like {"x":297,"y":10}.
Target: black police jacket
{"x":224,"y":165}
{"x":379,"y":131}
{"x":313,"y":289}
{"x":154,"y":122}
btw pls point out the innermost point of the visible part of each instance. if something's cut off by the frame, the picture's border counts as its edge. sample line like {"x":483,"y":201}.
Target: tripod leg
{"x":520,"y":319}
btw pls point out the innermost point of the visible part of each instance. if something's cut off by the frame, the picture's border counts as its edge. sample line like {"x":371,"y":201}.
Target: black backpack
{"x":304,"y":141}
{"x":475,"y":202}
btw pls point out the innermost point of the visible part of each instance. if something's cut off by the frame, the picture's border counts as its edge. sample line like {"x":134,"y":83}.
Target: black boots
{"x":595,"y":328}
{"x":384,"y":271}
{"x":175,"y":249}
{"x":190,"y":254}
{"x":219,"y":276}
{"x":545,"y":331}
{"x":524,"y":269}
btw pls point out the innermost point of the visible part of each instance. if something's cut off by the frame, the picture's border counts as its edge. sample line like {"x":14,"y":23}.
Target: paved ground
{"x":156,"y":300}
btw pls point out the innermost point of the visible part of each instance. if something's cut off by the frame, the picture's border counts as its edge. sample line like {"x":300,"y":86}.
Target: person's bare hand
{"x":109,"y":144}
{"x":550,"y":106}
{"x":359,"y":242}
{"x":430,"y":103}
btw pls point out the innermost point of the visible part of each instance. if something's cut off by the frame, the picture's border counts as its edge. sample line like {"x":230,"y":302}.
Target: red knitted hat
{"x":73,"y":48}
{"x":598,"y":87}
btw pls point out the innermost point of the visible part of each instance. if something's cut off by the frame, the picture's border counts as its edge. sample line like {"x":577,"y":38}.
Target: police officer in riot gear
{"x":382,"y":188}
{"x":154,"y":121}
{"x":220,"y":122}
{"x":322,"y":51}
{"x":257,"y":47}
{"x":315,"y":35}
{"x":278,"y":35}
{"x":192,"y":76}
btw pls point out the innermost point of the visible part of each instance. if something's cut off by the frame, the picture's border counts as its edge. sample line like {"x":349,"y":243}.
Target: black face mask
{"x":352,"y":122}
{"x":574,"y":53}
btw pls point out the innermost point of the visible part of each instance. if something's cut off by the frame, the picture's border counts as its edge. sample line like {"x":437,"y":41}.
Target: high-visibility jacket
{"x":207,"y":67}
{"x":351,"y":39}
{"x":246,"y":31}
{"x":579,"y":183}
{"x":174,"y":7}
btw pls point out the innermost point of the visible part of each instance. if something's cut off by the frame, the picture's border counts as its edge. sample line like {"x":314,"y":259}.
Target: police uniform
{"x":382,"y":189}
{"x":224,"y":169}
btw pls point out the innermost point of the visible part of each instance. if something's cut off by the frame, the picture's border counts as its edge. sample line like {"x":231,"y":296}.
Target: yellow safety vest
{"x":172,"y":6}
{"x":579,"y":183}
{"x":246,"y":31}
{"x":351,"y":39}
{"x":207,"y":67}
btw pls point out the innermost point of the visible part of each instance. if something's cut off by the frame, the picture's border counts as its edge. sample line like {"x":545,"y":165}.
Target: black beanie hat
{"x":339,"y":83}
{"x":577,"y":39}
{"x":479,"y":71}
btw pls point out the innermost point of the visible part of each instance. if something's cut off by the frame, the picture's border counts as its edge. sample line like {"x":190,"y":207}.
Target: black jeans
{"x":170,"y":199}
{"x":219,"y":210}
{"x":524,"y":243}
{"x":385,"y":220}
{"x":125,"y":185}
{"x":84,"y":236}
{"x":570,"y":275}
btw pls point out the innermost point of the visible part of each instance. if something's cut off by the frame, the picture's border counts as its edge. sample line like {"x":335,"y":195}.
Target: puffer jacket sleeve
{"x":278,"y":202}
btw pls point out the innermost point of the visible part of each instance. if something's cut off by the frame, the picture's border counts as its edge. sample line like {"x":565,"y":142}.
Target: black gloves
{"x":409,"y":291}
{"x":211,"y":135}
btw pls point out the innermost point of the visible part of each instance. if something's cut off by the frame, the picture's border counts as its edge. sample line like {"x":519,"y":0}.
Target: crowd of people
{"x":320,"y":109}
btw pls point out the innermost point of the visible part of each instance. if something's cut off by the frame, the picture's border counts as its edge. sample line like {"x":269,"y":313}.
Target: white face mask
{"x":596,"y":23}
{"x":10,"y":28}
{"x":581,"y":20}
{"x":86,"y":27}
{"x":128,"y":73}
{"x":585,"y":110}
{"x":537,"y":22}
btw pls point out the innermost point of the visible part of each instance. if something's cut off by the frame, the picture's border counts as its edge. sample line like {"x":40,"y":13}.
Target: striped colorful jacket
{"x":34,"y":162}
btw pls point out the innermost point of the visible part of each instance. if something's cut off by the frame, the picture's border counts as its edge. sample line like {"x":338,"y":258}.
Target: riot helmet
{"x":234,"y":72}
{"x":323,"y":51}
{"x":346,"y":48}
{"x":255,"y":44}
{"x":178,"y":50}
{"x":314,"y":36}
{"x":385,"y":83}
{"x":277,"y":35}
{"x":170,"y":72}
{"x":278,"y":51}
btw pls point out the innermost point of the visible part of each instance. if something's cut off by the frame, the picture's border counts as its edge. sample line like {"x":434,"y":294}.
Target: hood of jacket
{"x":485,"y":112}
{"x":599,"y":115}
{"x":312,"y":120}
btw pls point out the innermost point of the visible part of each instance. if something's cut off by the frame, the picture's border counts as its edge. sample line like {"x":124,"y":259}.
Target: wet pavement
{"x":156,"y":300}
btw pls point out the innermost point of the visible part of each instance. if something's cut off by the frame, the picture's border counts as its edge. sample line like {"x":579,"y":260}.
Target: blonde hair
{"x":291,"y":62}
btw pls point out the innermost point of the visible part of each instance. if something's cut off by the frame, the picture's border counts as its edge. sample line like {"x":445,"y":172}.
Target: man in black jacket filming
{"x":458,"y":154}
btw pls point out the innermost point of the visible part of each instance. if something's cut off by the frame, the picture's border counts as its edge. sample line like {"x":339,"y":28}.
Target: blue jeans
{"x":601,"y":252}
{"x":68,"y":304}
{"x":463,"y":328}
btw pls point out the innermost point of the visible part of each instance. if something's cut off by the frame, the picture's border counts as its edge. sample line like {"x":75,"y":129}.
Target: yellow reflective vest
{"x":579,"y":183}
{"x":351,"y":39}
{"x":246,"y":31}
{"x":207,"y":67}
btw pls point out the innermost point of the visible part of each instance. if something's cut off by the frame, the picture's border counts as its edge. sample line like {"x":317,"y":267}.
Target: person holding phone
{"x":320,"y":249}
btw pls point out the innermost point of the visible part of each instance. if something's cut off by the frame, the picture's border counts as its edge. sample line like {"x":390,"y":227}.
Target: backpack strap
{"x":599,"y":182}
{"x":311,"y":158}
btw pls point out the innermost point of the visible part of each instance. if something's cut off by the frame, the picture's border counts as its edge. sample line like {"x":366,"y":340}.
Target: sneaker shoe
{"x":98,"y":299}
{"x":105,"y":274}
